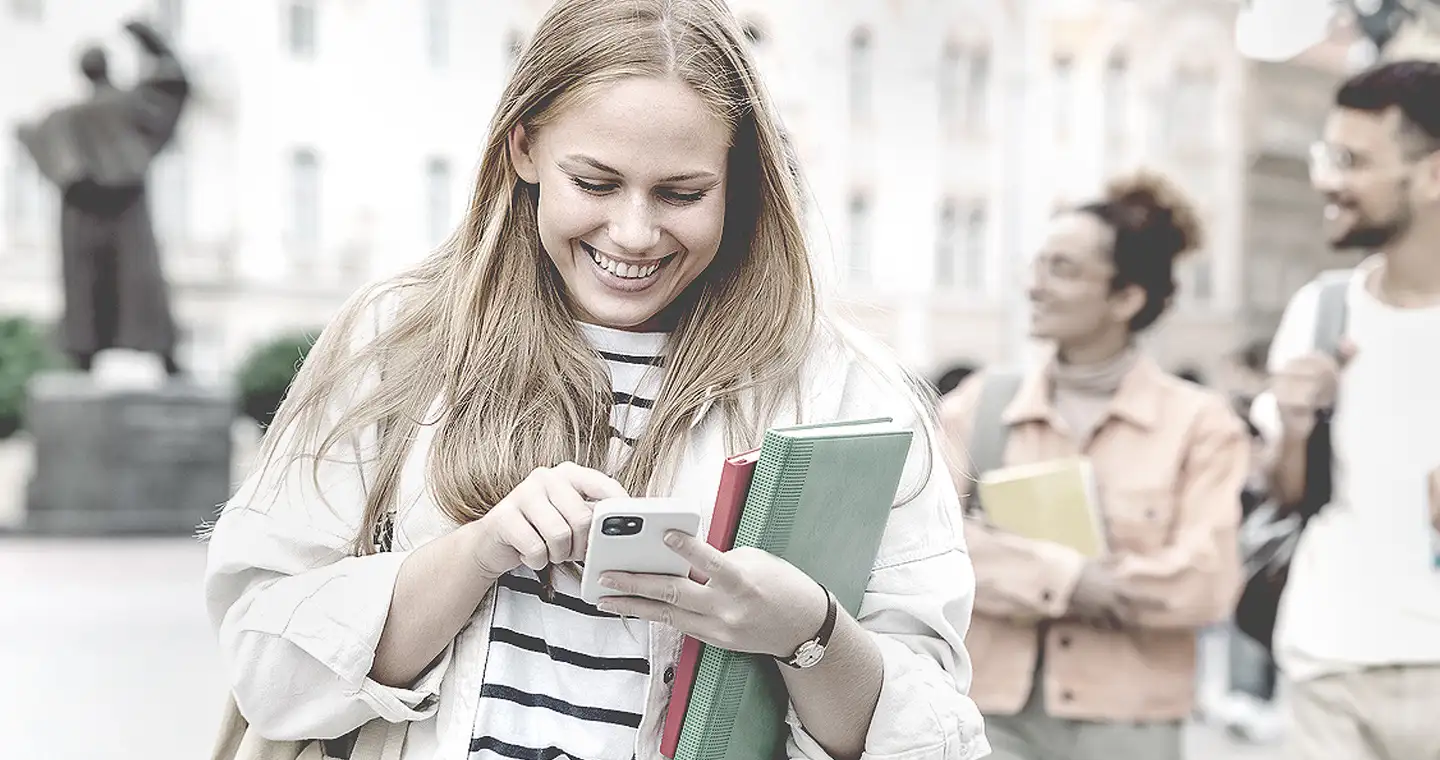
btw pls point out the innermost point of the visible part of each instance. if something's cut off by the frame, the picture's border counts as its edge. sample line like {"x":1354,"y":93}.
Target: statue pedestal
{"x":126,"y":458}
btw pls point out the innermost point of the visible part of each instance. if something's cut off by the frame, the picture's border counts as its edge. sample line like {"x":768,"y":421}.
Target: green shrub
{"x":266,"y":373}
{"x":24,"y":351}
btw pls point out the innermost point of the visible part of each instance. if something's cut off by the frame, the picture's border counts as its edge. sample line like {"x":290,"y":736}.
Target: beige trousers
{"x":1389,"y":713}
{"x":1032,"y":734}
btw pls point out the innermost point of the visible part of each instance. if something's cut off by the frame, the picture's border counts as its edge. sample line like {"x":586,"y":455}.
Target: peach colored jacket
{"x":1170,"y":459}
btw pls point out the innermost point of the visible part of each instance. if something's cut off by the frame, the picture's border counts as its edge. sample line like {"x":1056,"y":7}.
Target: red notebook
{"x":729,"y":503}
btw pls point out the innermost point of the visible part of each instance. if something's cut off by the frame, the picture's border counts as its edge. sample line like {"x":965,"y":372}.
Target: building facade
{"x":332,"y":141}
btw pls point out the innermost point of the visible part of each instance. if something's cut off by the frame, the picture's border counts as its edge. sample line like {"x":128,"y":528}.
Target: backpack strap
{"x":1331,"y":310}
{"x":989,"y":434}
{"x":1330,"y":317}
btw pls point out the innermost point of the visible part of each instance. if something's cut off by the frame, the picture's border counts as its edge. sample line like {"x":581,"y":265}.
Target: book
{"x":1054,"y":500}
{"x":729,"y":500}
{"x":820,"y":499}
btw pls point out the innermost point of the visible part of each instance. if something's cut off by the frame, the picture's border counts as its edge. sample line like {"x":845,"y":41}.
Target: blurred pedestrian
{"x":1237,"y":675}
{"x":1358,"y":638}
{"x":1094,"y":659}
{"x":1251,"y":375}
{"x":1242,"y":700}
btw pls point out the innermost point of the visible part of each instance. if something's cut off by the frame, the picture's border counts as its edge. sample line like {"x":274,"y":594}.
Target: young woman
{"x":628,"y":301}
{"x":1092,"y":659}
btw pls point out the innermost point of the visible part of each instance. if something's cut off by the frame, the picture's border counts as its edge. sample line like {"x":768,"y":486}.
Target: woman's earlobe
{"x":520,"y":157}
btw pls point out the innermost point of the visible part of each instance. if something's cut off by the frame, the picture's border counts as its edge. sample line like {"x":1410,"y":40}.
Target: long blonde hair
{"x":481,"y":323}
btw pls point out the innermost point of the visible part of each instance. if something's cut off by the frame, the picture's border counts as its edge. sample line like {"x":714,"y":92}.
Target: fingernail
{"x":607,"y":581}
{"x":672,"y":538}
{"x":604,"y":606}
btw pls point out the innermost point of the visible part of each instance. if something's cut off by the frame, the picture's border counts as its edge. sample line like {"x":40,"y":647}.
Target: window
{"x":859,"y":259}
{"x":514,"y":46}
{"x":964,"y":87}
{"x":28,"y":10}
{"x":437,"y":32}
{"x":437,"y":200}
{"x":300,"y":25}
{"x":860,"y":76}
{"x":951,"y":65}
{"x":977,"y":91}
{"x":963,"y":242}
{"x":1063,"y":96}
{"x":304,"y":233}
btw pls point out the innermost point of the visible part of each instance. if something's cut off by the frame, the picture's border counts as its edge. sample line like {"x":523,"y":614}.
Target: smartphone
{"x":628,"y":535}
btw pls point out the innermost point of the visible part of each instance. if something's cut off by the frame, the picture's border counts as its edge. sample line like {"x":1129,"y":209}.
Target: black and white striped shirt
{"x":562,"y":679}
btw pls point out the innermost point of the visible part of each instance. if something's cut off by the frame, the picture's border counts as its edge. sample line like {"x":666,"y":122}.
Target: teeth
{"x":621,"y":269}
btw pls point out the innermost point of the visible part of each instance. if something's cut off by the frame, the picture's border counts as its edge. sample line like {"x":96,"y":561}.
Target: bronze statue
{"x":97,"y":152}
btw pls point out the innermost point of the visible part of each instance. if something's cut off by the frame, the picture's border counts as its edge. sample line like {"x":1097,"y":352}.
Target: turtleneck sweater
{"x":1081,"y":393}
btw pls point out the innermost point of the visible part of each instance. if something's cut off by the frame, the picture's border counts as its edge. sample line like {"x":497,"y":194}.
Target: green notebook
{"x":820,"y":498}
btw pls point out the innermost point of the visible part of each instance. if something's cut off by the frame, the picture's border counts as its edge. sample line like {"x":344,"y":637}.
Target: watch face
{"x":809,"y":654}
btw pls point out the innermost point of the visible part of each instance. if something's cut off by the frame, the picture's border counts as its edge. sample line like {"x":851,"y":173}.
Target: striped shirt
{"x":562,"y":679}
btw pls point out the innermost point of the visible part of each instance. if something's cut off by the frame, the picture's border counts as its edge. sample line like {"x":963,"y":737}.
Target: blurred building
{"x":940,"y":136}
{"x":1284,"y":242}
{"x":332,"y":141}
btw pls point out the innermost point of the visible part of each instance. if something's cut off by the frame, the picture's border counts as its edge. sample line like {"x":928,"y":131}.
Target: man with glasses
{"x":1359,"y":631}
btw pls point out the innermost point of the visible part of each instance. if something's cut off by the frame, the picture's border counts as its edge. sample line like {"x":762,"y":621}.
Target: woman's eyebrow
{"x":602,"y":167}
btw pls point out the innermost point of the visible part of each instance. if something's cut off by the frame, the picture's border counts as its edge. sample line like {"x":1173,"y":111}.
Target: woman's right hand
{"x":544,"y":521}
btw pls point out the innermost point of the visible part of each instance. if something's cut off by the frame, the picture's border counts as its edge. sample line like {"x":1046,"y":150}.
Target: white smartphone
{"x":628,"y":535}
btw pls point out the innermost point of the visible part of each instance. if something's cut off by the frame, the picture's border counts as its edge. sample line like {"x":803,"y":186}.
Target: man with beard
{"x":1359,"y":630}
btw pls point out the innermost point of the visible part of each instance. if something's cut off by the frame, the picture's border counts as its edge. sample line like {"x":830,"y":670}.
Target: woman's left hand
{"x":746,"y":600}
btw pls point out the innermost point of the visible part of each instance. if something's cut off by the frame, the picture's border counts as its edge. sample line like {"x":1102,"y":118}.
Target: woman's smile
{"x":617,"y":274}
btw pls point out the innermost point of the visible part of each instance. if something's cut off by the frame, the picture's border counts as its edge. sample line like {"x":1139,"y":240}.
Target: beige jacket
{"x":1170,"y":460}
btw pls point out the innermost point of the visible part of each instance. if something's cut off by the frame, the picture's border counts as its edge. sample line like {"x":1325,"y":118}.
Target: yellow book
{"x":1053,"y":501}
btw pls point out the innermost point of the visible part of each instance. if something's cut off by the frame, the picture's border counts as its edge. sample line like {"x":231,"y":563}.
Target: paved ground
{"x":105,"y":651}
{"x":106,"y":654}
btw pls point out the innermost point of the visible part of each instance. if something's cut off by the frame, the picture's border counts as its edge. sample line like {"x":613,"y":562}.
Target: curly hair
{"x":1154,"y":225}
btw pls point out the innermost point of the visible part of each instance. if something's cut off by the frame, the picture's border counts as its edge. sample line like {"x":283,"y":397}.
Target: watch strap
{"x":821,"y":638}
{"x":831,"y":613}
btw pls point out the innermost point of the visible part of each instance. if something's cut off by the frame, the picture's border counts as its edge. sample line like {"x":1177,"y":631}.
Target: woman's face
{"x":1071,"y":299}
{"x":632,"y":197}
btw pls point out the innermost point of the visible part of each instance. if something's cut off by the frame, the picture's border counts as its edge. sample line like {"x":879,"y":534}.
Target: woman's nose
{"x":634,"y":227}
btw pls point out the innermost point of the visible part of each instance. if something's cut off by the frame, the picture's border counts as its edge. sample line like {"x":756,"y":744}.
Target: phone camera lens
{"x":621,"y":526}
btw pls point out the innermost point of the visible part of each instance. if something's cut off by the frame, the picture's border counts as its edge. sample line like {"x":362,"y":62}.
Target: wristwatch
{"x":809,"y":654}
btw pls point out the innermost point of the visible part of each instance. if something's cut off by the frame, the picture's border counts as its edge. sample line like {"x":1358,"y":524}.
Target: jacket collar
{"x":1137,"y":402}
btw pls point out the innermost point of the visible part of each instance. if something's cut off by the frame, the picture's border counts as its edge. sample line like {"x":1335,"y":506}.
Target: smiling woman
{"x":628,"y":301}
{"x":632,"y":210}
